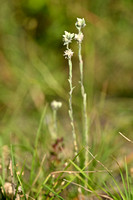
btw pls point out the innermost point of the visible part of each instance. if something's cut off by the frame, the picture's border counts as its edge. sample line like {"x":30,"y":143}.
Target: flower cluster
{"x":56,"y":105}
{"x":68,"y":53}
{"x":80,"y":23}
{"x":67,"y":37}
{"x":79,"y":37}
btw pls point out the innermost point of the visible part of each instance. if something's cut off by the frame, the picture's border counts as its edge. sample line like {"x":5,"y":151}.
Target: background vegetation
{"x":34,"y":72}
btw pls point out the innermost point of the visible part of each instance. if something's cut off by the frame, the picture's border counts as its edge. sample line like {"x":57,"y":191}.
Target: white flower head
{"x":67,"y":37}
{"x":68,"y":53}
{"x":79,"y":37}
{"x":56,"y":105}
{"x":80,"y":23}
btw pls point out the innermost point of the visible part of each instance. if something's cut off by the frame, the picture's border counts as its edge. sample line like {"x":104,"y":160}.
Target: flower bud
{"x":80,"y":23}
{"x":79,"y":37}
{"x":67,"y":37}
{"x":56,"y":105}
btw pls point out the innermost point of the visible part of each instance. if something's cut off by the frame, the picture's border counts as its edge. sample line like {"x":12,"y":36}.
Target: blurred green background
{"x":34,"y":71}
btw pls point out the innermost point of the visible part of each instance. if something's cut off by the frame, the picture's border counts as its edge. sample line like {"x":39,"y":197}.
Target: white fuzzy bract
{"x":56,"y":105}
{"x":80,"y":23}
{"x":67,"y":37}
{"x":68,"y":53}
{"x":79,"y":37}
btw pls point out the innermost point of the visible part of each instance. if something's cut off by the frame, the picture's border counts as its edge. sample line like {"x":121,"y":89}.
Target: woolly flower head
{"x":80,"y":23}
{"x":67,"y":37}
{"x":56,"y":105}
{"x":68,"y":53}
{"x":79,"y":37}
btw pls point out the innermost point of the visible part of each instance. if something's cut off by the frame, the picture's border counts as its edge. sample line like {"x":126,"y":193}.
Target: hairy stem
{"x":71,"y":108}
{"x":85,"y":120}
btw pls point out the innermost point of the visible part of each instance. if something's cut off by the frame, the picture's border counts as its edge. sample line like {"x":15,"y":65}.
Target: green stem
{"x":71,"y":109}
{"x":85,"y":120}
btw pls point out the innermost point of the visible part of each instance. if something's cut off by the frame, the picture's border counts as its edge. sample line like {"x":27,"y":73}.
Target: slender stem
{"x":55,"y":122}
{"x":71,"y":108}
{"x":85,"y":120}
